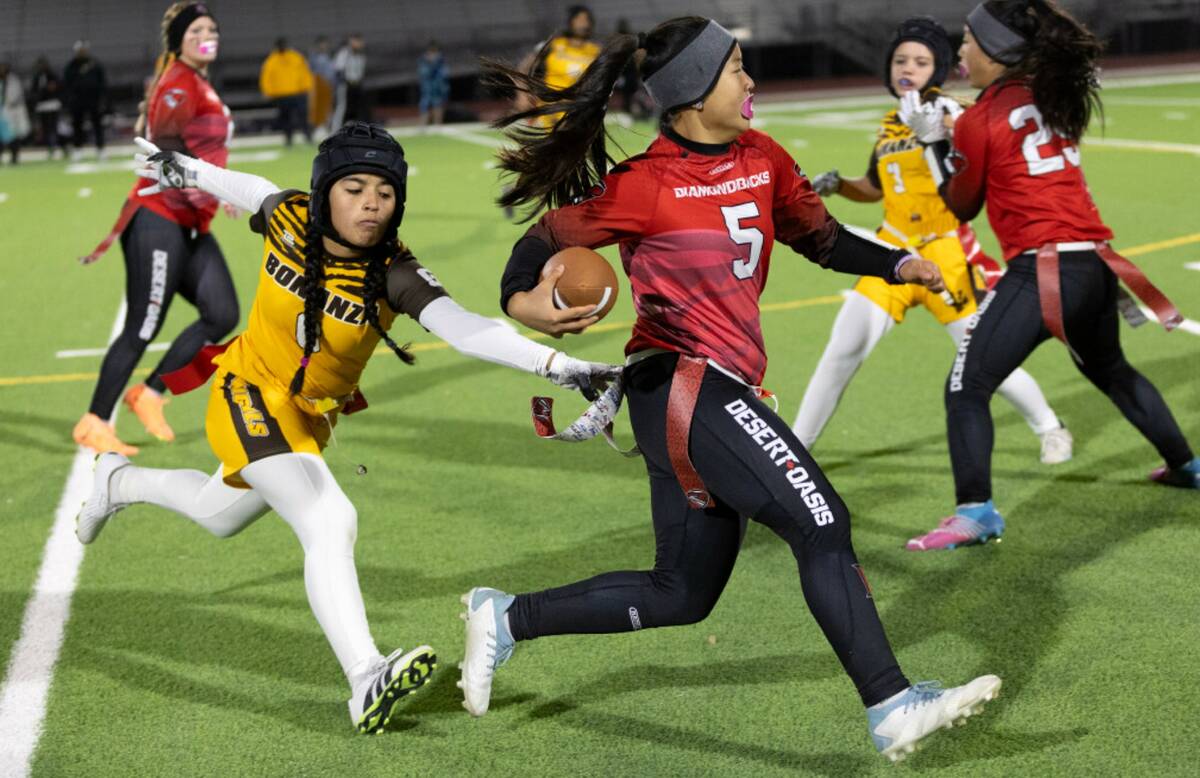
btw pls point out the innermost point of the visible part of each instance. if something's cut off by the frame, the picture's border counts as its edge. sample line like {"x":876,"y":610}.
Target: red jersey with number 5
{"x":695,"y":230}
{"x":1030,"y":175}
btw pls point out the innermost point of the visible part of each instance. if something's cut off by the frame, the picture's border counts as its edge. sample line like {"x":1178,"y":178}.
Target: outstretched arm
{"x":175,"y":170}
{"x":482,"y":338}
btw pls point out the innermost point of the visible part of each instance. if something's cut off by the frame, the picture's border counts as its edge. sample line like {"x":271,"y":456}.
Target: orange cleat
{"x":147,"y":405}
{"x":97,"y":434}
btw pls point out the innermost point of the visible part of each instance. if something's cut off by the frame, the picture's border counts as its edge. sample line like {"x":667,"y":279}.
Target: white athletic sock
{"x":1020,"y":389}
{"x":206,"y":500}
{"x":857,"y":329}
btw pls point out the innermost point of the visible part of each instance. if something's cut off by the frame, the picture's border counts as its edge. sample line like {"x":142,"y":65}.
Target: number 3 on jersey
{"x":744,"y":236}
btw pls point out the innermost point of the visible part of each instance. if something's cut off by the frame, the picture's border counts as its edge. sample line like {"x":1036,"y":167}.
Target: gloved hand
{"x":925,"y":119}
{"x":168,"y":169}
{"x":827,"y":183}
{"x":588,"y":377}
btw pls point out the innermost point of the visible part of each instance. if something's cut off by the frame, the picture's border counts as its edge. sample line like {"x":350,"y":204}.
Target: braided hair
{"x":374,"y":286}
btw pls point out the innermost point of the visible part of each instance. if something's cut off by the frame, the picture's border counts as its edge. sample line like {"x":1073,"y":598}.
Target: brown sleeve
{"x":262,"y":217}
{"x":411,"y":287}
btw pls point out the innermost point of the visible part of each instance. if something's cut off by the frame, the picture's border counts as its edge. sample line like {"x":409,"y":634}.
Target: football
{"x":588,"y":280}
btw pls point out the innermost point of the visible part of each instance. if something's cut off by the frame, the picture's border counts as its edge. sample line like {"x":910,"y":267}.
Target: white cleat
{"x":391,"y":680}
{"x":489,"y":645}
{"x":899,"y":723}
{"x":1057,"y":446}
{"x":99,"y":507}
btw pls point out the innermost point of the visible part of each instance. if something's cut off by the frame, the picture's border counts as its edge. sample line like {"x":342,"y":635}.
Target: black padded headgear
{"x":926,"y":30}
{"x":358,"y":147}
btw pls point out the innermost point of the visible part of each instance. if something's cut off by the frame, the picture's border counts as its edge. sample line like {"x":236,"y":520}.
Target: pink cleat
{"x":968,"y":526}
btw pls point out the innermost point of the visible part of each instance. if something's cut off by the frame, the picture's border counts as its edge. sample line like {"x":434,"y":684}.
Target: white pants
{"x":858,"y":328}
{"x":302,"y":490}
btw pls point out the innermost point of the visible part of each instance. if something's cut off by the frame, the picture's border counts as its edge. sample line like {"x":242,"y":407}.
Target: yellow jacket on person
{"x":285,"y":73}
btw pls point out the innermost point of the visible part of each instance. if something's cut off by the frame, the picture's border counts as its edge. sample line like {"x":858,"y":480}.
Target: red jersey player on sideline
{"x":696,"y":216}
{"x":1017,"y":147}
{"x":165,"y":237}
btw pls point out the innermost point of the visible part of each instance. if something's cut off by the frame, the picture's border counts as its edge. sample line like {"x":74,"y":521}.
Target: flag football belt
{"x":128,"y":209}
{"x":197,"y":372}
{"x":1050,"y":292}
{"x":915,"y":241}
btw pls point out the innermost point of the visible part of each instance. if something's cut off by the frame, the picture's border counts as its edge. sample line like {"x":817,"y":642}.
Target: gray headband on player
{"x":997,"y":39}
{"x":693,"y":72}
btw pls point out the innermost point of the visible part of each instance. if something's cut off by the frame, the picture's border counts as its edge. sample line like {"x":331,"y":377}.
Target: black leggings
{"x":754,"y":467}
{"x":1006,"y":330}
{"x":162,"y":258}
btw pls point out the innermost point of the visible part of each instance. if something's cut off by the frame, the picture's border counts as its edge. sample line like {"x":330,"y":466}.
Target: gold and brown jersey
{"x":269,"y":351}
{"x":913,"y":211}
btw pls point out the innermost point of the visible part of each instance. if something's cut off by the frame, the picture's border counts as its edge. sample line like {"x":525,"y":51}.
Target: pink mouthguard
{"x":208,"y":47}
{"x":748,"y":108}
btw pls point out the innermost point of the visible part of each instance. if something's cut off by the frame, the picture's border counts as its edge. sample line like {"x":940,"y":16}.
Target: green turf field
{"x":189,"y":656}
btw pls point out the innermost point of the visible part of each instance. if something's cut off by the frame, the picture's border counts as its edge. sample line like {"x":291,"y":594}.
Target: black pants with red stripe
{"x":753,"y":466}
{"x":163,"y":259}
{"x":1006,"y":330}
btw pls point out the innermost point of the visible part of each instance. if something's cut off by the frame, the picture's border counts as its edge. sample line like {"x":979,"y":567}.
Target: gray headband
{"x":996,"y":38}
{"x":693,"y":72}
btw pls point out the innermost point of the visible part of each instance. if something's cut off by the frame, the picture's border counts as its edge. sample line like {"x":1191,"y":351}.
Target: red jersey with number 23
{"x":695,"y":233}
{"x":1031,"y":176}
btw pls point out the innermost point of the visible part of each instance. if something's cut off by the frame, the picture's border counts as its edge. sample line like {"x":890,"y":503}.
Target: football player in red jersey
{"x":165,"y":236}
{"x":1017,"y":147}
{"x":695,"y":217}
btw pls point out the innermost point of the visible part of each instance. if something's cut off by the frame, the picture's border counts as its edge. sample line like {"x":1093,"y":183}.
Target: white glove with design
{"x":927,"y":119}
{"x":572,"y":373}
{"x":168,"y":169}
{"x":827,"y":183}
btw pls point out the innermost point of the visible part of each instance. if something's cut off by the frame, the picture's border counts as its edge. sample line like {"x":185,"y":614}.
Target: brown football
{"x":588,"y":280}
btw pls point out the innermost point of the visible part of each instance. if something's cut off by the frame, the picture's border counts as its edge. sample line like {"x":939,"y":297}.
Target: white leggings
{"x":858,"y":328}
{"x":301,"y":489}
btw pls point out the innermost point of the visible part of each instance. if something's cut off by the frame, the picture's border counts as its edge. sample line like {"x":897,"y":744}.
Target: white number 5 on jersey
{"x":745,"y":236}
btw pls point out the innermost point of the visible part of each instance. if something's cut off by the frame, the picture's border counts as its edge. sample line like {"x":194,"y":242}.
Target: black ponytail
{"x":559,"y":165}
{"x":313,"y":291}
{"x":1059,"y":63}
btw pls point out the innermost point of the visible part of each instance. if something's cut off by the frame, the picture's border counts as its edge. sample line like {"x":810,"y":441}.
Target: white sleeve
{"x":244,"y":190}
{"x":482,"y":338}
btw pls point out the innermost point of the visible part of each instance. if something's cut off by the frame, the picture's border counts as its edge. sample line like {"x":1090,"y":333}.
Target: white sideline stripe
{"x":1188,"y":325}
{"x":124,"y":166}
{"x":472,"y":137}
{"x":1144,"y":145}
{"x":72,"y":353}
{"x":1192,"y":265}
{"x":34,"y":655}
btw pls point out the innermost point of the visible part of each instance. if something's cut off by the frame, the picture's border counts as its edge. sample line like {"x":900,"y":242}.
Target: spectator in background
{"x":320,"y":109}
{"x":286,"y":80}
{"x":634,"y":100}
{"x":46,"y":91}
{"x":85,"y":89}
{"x":351,"y":64}
{"x":434,"y":77}
{"x":14,"y":117}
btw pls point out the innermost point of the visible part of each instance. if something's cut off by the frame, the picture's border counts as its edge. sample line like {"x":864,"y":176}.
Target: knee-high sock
{"x":857,"y":329}
{"x":209,"y":501}
{"x":1020,"y":389}
{"x":301,"y":489}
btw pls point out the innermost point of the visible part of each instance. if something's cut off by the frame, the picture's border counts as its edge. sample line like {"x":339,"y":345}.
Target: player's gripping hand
{"x":914,"y":270}
{"x":571,"y":373}
{"x":924,"y":119}
{"x":827,"y":183}
{"x":168,"y":169}
{"x":536,"y":310}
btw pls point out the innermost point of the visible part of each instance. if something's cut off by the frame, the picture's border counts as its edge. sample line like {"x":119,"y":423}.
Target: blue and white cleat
{"x":391,"y":679}
{"x":489,"y":645}
{"x":1186,"y":477}
{"x":899,"y":723}
{"x":100,"y":505}
{"x":968,"y":526}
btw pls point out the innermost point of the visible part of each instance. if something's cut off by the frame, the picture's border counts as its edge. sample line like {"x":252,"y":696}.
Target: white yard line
{"x":31,"y":665}
{"x":72,"y":353}
{"x":1144,"y":145}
